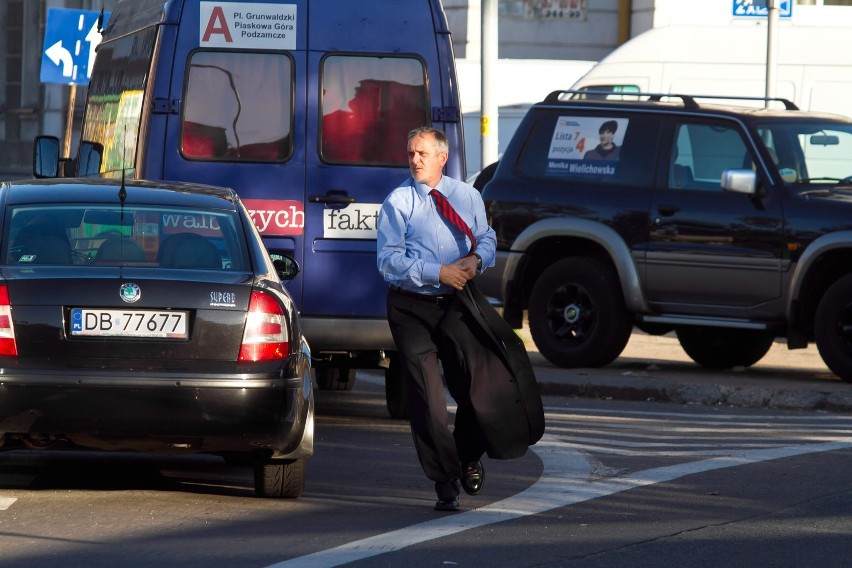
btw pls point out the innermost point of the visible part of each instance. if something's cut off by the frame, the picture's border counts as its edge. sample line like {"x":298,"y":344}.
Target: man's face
{"x":425,"y":160}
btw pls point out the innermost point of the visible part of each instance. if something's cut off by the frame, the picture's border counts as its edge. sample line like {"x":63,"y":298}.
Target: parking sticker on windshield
{"x":586,"y":146}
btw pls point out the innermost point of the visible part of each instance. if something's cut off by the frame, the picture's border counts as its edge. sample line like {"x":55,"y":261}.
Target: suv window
{"x":701,"y":152}
{"x":369,"y":105}
{"x":238,"y":107}
{"x":809,"y":152}
{"x":611,"y":149}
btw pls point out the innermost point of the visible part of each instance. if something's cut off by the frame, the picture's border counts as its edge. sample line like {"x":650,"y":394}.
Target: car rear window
{"x":98,"y":235}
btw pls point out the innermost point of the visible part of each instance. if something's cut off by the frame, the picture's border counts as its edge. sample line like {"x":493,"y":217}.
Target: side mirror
{"x":46,"y":157}
{"x":286,"y":267}
{"x":739,"y":181}
{"x":90,"y":159}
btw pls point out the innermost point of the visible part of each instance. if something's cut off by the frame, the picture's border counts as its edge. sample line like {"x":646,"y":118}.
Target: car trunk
{"x":47,"y":302}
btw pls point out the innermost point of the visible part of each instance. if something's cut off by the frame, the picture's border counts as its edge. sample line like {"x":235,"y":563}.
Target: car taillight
{"x":266,"y":335}
{"x":7,"y":330}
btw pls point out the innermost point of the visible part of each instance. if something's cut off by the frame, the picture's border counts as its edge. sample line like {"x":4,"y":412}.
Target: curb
{"x":654,"y":390}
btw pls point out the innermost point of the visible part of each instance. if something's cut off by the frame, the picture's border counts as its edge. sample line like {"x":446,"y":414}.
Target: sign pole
{"x":69,"y":122}
{"x":771,"y":47}
{"x":489,"y":117}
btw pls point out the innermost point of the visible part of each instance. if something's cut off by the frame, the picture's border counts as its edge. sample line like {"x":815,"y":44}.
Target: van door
{"x":375,"y":81}
{"x":240,"y":77}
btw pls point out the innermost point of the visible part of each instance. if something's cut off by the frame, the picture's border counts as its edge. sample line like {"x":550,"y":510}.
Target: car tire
{"x":280,"y":478}
{"x":335,"y":378}
{"x":833,"y":328}
{"x":577,"y":315}
{"x":396,"y":390}
{"x":724,"y":348}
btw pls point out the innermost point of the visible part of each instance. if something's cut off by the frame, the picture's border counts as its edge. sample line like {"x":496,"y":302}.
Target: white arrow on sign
{"x":57,"y":54}
{"x":94,"y":38}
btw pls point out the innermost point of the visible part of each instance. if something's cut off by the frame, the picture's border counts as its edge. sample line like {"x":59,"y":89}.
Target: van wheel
{"x":721,"y":348}
{"x":577,"y":315}
{"x":396,"y":390}
{"x":280,"y":478}
{"x":335,"y":378}
{"x":833,"y":328}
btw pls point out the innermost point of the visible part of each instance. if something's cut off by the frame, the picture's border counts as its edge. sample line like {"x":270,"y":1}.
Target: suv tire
{"x":724,"y":348}
{"x":577,"y":315}
{"x":832,"y":329}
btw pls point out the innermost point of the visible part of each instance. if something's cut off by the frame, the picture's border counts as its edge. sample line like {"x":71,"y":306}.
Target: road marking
{"x":6,"y":502}
{"x":565,"y":481}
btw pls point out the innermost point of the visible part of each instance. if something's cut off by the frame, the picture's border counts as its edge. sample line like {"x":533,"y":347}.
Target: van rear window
{"x":238,"y":107}
{"x":369,"y":104}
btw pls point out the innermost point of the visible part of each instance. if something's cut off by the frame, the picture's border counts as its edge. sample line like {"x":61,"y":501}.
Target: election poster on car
{"x":586,"y":146}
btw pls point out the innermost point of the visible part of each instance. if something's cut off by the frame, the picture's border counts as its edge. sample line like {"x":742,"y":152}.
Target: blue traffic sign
{"x":70,"y":39}
{"x":758,"y":8}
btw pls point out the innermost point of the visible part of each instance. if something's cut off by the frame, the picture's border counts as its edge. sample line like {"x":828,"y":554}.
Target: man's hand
{"x":458,"y":273}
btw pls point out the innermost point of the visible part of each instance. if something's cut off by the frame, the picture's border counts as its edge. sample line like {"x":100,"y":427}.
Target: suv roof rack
{"x":689,"y":101}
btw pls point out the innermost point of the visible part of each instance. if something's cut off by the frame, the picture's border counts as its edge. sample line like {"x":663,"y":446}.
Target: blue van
{"x":302,"y":107}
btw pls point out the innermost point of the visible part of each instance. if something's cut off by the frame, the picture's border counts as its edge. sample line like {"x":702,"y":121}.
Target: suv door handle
{"x":334,"y":199}
{"x":667,"y":210}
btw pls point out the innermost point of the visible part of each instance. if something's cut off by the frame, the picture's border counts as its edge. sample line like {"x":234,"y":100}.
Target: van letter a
{"x":219,"y":26}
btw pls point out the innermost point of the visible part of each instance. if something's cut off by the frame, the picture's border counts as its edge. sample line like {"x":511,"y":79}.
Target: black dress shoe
{"x":447,"y":504}
{"x":473,"y":476}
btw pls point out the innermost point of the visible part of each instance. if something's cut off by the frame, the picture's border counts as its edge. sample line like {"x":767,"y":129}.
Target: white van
{"x":814,"y":70}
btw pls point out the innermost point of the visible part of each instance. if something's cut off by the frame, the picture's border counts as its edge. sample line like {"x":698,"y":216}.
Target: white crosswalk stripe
{"x":636,"y":433}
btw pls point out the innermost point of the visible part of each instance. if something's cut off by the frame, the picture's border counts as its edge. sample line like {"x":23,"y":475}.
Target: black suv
{"x":730,"y":225}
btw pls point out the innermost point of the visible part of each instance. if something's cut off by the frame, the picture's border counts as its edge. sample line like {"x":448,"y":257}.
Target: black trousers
{"x":414,"y":323}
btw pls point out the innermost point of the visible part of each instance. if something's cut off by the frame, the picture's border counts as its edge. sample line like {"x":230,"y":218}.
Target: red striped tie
{"x":447,"y":212}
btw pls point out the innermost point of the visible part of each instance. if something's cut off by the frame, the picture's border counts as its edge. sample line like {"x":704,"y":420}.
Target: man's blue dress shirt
{"x":414,"y":240}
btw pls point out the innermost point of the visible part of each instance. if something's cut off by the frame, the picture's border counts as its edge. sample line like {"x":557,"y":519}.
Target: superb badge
{"x":130,"y":292}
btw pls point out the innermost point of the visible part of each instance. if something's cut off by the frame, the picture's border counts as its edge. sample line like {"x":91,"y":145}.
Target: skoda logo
{"x":130,"y":292}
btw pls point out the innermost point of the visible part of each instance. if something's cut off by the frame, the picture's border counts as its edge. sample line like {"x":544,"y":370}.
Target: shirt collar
{"x":423,"y":189}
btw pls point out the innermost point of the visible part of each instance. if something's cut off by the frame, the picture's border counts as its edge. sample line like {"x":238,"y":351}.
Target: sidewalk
{"x":656,"y":368}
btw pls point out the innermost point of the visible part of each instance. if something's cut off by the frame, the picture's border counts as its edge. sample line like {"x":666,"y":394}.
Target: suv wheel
{"x":577,"y":315}
{"x":722,"y":348}
{"x":833,"y":328}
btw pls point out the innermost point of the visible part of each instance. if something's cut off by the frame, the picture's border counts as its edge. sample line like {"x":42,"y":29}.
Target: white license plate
{"x":129,"y":323}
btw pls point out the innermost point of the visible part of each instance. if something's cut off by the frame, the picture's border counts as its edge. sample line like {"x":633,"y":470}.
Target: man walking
{"x":433,"y":237}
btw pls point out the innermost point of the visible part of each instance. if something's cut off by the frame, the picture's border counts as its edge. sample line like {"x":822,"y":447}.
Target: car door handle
{"x":334,"y":199}
{"x":667,"y":210}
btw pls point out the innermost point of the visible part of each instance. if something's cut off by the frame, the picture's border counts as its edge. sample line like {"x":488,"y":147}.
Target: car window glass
{"x":369,"y":104}
{"x":701,"y":152}
{"x":237,"y":107}
{"x":606,"y":149}
{"x":98,"y":235}
{"x":810,"y":152}
{"x":115,"y":98}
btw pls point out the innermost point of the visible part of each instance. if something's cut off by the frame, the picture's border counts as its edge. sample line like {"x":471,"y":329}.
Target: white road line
{"x":6,"y":502}
{"x":564,"y":481}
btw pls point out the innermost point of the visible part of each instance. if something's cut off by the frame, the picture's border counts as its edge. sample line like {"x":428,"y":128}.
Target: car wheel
{"x":833,"y":328}
{"x":577,"y":315}
{"x":335,"y":378}
{"x":396,"y":390}
{"x":280,"y":478}
{"x":722,"y":348}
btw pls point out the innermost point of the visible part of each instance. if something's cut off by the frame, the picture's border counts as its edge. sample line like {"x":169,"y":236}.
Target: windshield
{"x":810,"y":152}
